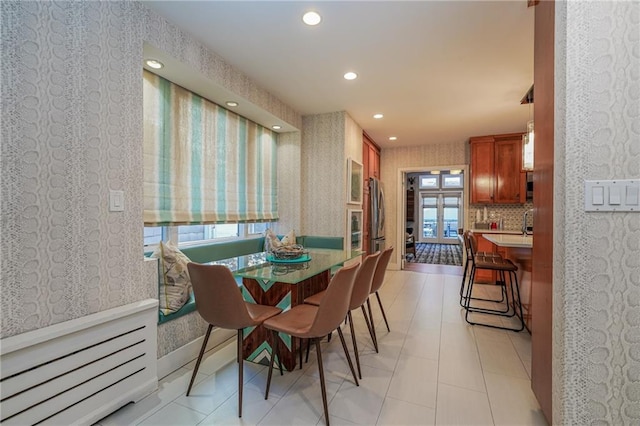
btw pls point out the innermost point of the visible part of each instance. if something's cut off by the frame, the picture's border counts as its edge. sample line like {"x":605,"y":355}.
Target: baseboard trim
{"x":187,"y":353}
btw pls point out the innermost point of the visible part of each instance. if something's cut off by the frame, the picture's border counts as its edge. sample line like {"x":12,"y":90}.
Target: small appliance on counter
{"x":495,"y":221}
{"x":491,"y":220}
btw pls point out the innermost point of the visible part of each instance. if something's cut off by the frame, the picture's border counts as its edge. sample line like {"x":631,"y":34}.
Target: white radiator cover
{"x":78,"y":371}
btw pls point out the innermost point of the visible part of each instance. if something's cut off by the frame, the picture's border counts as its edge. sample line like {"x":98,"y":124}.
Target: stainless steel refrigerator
{"x":376,"y":207}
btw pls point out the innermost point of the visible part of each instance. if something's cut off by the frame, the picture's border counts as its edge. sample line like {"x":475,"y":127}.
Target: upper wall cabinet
{"x":371,"y":164}
{"x":496,"y":169}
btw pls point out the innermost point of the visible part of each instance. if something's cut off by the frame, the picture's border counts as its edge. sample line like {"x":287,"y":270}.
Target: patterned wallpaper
{"x":324,"y":171}
{"x":596,"y":354}
{"x":289,"y":189}
{"x":72,"y":130}
{"x":353,"y":139}
{"x":394,"y":159}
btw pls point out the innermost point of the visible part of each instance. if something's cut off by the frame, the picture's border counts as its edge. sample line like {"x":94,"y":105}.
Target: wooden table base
{"x":256,"y":344}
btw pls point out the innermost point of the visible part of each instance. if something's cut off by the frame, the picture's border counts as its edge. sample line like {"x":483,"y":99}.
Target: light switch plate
{"x":615,"y":195}
{"x":116,"y":201}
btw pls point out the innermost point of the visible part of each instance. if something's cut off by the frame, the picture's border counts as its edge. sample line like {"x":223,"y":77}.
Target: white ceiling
{"x":439,"y":71}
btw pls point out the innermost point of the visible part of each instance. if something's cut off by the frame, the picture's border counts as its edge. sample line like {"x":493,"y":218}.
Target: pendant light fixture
{"x":527,"y":147}
{"x":528,"y":137}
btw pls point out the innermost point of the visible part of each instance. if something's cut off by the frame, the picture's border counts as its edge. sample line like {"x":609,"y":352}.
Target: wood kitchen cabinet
{"x":370,"y":158}
{"x":496,"y":169}
{"x":371,"y":168}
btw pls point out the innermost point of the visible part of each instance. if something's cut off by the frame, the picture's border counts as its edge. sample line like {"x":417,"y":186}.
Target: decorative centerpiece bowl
{"x":293,"y":251}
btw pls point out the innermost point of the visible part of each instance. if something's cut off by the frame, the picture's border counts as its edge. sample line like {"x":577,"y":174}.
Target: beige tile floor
{"x":432,"y":369}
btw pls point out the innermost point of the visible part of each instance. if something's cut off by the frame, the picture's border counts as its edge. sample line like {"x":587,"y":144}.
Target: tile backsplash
{"x":510,"y":213}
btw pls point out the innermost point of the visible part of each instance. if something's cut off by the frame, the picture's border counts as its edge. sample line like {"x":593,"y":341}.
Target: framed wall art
{"x":354,"y":226}
{"x":355,"y":176}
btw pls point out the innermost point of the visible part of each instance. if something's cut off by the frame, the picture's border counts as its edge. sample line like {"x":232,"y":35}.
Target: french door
{"x":440,"y":216}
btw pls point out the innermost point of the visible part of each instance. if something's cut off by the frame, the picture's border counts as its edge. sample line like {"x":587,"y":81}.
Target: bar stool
{"x":470,"y":246}
{"x":506,"y":268}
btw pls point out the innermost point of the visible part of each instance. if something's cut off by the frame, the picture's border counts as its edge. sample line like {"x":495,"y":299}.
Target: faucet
{"x":524,"y":222}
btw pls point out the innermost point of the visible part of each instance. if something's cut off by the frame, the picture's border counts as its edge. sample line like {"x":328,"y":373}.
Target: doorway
{"x":432,"y":204}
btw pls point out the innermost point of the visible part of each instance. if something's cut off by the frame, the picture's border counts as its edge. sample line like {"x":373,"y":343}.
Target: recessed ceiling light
{"x":276,"y":127}
{"x":232,"y":103}
{"x":378,"y":115}
{"x":152,"y":63}
{"x":435,"y":172}
{"x":455,"y":172}
{"x":393,"y":138}
{"x":350,"y":76}
{"x":311,"y":18}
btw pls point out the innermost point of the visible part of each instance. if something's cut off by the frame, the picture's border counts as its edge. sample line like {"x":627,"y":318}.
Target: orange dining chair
{"x":219,"y":302}
{"x":376,"y":284}
{"x":359,"y":296}
{"x":314,"y":322}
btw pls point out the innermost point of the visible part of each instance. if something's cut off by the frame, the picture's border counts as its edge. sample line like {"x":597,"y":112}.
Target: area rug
{"x":437,"y":254}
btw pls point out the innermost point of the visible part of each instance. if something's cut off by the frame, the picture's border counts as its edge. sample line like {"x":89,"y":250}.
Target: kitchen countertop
{"x":497,"y":231}
{"x":510,"y":240}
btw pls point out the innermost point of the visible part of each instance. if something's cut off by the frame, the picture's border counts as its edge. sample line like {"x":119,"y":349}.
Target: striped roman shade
{"x":202,"y":163}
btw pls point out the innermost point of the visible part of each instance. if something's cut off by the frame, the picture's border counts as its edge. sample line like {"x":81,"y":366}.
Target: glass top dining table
{"x":284,"y":285}
{"x":257,"y":266}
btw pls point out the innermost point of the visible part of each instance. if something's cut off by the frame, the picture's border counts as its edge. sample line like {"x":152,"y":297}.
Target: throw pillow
{"x":175,"y":285}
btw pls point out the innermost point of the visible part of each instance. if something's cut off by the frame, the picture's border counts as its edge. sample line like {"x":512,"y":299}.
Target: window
{"x":452,"y":181}
{"x":444,"y":179}
{"x":429,"y":181}
{"x":188,"y":233}
{"x":208,"y":172}
{"x":195,"y":234}
{"x":204,"y":164}
{"x":152,"y":235}
{"x":257,"y":228}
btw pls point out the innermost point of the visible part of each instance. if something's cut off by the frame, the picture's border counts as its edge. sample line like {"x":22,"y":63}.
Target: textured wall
{"x":324,"y":171}
{"x":597,"y":266}
{"x":289,"y":189}
{"x":353,"y":139}
{"x":394,"y":159}
{"x":72,"y":130}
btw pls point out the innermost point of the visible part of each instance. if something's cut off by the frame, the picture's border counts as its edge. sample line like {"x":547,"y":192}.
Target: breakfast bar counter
{"x":511,"y":241}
